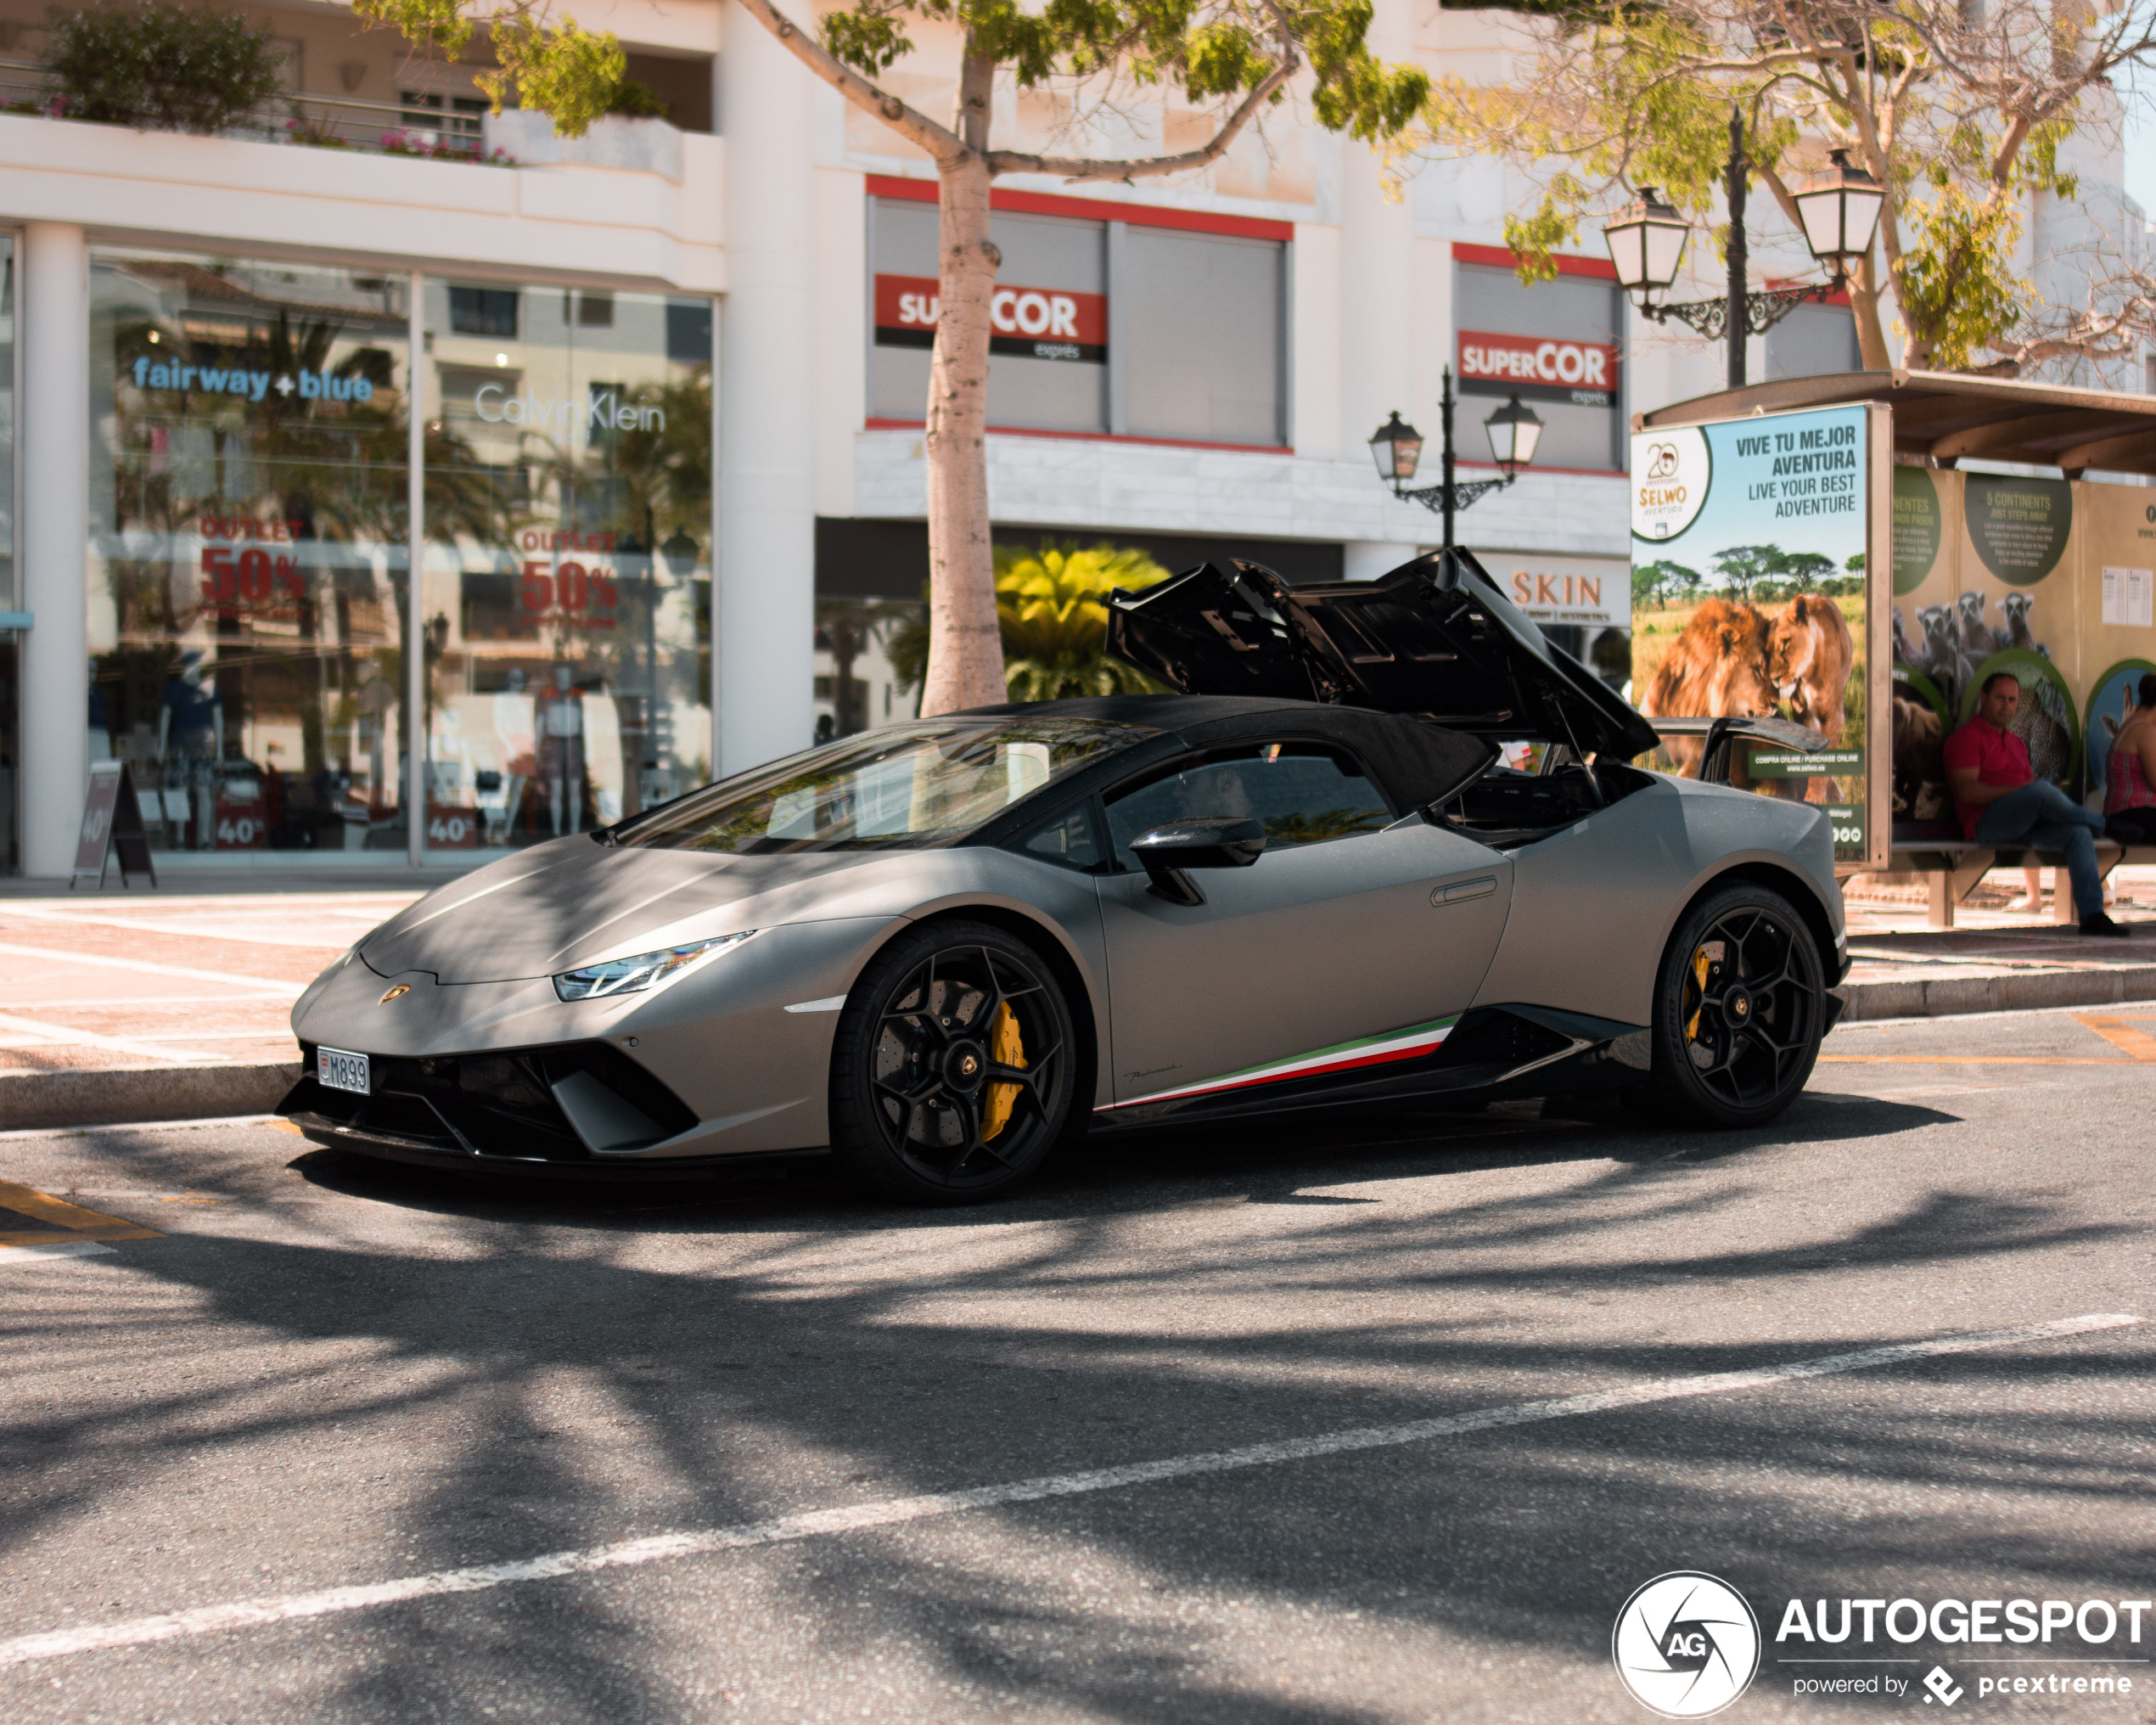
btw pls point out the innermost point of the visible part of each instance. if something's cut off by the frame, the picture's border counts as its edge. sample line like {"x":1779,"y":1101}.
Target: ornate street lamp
{"x":1397,"y":448}
{"x":1840,"y":213}
{"x":1513,"y":432}
{"x":1647,"y":244}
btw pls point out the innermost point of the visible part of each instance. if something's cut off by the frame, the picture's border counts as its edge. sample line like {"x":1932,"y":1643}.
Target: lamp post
{"x":1840,"y":210}
{"x":1513,"y":432}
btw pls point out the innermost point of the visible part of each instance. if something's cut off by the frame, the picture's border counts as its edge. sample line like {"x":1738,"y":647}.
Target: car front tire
{"x":1740,"y":1010}
{"x":951,"y":1072}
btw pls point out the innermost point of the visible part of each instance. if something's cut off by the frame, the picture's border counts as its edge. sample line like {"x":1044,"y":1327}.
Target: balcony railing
{"x":301,"y":117}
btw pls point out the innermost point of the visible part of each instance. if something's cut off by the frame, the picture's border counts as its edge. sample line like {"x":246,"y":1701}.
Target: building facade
{"x":400,"y":483}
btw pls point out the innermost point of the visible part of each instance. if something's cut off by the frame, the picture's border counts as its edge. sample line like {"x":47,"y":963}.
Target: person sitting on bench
{"x":2130,"y":771}
{"x":2002,"y":802}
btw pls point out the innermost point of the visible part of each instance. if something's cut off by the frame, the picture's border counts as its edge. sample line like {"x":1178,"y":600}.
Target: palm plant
{"x":1051,"y":603}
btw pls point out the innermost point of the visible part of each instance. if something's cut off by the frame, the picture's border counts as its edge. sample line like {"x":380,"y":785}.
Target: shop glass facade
{"x":568,"y":559}
{"x":247,"y":566}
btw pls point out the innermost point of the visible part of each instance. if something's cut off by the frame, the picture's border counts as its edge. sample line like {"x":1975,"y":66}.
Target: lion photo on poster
{"x":1749,"y":543}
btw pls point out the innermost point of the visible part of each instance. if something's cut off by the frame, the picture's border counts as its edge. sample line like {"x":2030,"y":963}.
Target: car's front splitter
{"x":389,"y":1148}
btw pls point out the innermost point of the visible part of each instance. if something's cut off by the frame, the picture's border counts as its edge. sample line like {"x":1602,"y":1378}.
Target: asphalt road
{"x":327,"y":1375}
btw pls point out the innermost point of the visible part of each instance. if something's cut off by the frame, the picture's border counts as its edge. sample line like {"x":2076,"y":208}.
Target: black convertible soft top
{"x":1417,"y":763}
{"x":1437,"y":639}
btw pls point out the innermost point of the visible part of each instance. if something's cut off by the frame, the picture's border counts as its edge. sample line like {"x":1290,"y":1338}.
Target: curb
{"x":83,"y":1098}
{"x":2010,"y":991}
{"x":74,"y":1097}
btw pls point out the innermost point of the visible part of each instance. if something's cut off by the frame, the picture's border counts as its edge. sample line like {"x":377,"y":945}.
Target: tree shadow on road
{"x":542,"y":1373}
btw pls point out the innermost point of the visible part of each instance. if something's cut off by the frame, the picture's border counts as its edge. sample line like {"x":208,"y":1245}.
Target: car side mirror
{"x":1165,"y":852}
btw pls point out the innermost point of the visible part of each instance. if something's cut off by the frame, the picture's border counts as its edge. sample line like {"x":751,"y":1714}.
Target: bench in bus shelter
{"x":1952,"y":866}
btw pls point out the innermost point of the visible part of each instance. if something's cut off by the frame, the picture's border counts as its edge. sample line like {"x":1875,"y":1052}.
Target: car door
{"x":1351,"y":941}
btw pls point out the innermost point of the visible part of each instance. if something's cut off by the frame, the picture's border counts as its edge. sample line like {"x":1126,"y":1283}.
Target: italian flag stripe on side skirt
{"x":1406,"y":1044}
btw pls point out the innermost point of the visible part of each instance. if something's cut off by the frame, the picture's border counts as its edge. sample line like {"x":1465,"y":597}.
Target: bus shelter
{"x":1790,"y":537}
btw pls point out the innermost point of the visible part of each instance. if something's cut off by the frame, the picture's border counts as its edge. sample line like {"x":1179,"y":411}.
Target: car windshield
{"x":904,"y":785}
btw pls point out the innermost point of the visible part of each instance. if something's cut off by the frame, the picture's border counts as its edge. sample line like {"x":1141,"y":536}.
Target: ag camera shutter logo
{"x":1686,"y":1645}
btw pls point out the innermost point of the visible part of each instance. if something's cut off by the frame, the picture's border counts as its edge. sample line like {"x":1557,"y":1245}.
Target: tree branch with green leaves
{"x":1959,"y":112}
{"x":1232,"y":60}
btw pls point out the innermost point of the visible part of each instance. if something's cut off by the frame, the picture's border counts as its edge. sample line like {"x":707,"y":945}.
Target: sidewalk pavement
{"x":117,"y":1008}
{"x":161,"y":1006}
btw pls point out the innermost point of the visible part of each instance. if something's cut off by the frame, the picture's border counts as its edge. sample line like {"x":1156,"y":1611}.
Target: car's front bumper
{"x":732,"y":1060}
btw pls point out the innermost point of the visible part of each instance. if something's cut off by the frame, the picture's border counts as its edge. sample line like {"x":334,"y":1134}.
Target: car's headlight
{"x":634,"y":975}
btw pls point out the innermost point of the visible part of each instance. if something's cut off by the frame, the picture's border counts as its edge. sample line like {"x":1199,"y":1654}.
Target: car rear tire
{"x":1740,"y":1009}
{"x":952,"y":1069}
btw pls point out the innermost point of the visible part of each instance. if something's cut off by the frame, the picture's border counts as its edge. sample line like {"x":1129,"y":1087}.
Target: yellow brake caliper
{"x":1699,"y":964}
{"x":1006,"y":1048}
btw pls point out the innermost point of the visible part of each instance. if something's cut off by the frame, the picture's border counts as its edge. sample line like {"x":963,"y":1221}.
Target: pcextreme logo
{"x":1686,"y":1645}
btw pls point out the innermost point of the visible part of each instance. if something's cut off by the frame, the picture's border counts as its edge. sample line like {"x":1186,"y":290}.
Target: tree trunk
{"x":965,"y":649}
{"x":1864,"y":308}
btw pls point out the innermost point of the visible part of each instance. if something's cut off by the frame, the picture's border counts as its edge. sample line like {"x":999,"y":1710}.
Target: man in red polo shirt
{"x":2002,"y":802}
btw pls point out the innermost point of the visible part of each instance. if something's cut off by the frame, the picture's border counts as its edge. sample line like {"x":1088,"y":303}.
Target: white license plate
{"x":335,"y":1070}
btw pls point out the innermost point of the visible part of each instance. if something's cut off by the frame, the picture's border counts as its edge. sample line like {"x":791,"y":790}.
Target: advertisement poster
{"x":2047,"y":578}
{"x":1751,"y":544}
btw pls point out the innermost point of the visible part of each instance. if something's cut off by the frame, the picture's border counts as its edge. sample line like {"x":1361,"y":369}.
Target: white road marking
{"x":65,"y":1034}
{"x":230,"y":924}
{"x":264,"y":985}
{"x":890,"y":1512}
{"x":12,"y":1257}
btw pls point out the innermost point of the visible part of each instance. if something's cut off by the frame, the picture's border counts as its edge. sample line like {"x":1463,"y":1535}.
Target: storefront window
{"x":1206,"y":342}
{"x":568,"y":559}
{"x":247,"y":549}
{"x":1049,"y":340}
{"x":1557,"y":345}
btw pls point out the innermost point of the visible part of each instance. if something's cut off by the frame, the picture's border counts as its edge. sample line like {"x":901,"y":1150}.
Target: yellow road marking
{"x":2121,"y":1035}
{"x":83,"y":1224}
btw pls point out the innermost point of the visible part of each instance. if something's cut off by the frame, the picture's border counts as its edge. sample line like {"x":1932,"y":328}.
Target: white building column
{"x":53,"y":522}
{"x":766,"y":598}
{"x":1377,"y":333}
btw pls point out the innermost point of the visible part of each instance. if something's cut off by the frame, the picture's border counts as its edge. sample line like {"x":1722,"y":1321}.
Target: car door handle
{"x":1459,"y":891}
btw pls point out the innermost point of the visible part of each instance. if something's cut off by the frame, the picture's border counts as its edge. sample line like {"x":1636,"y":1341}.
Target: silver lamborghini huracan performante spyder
{"x":939,"y":949}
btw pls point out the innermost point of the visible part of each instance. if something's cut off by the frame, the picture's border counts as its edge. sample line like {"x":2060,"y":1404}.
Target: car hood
{"x":575,"y":902}
{"x":1435,"y":638}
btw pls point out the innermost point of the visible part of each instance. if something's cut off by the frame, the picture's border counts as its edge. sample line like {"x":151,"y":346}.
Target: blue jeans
{"x":2044,"y":817}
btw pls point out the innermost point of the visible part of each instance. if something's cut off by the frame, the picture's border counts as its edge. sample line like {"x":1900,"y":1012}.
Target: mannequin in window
{"x":187,"y":742}
{"x":100,"y":727}
{"x":560,"y":725}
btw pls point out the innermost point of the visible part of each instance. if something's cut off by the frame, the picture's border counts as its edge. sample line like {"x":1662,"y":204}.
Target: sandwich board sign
{"x":112,"y":819}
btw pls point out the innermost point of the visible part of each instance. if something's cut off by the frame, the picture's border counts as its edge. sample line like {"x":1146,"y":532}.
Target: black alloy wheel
{"x":1740,"y":1010}
{"x":952,"y":1070}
